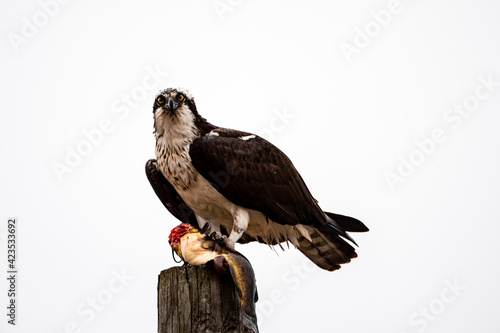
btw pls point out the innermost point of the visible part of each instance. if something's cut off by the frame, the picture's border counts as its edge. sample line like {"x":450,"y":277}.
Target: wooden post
{"x":197,"y":300}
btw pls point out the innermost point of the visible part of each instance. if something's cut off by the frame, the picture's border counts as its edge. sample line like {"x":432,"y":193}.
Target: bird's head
{"x":174,"y":108}
{"x":174,"y":101}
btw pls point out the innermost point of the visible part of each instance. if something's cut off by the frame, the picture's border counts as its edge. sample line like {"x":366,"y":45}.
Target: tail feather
{"x":326,"y":250}
{"x":348,"y":223}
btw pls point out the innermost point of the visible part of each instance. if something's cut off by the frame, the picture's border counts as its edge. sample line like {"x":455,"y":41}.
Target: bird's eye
{"x":180,"y":97}
{"x":160,"y":100}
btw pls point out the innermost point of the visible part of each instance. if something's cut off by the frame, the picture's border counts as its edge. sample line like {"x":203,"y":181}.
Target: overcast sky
{"x":389,"y":110}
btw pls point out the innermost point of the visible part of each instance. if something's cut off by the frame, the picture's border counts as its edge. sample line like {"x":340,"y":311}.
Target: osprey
{"x":243,"y":185}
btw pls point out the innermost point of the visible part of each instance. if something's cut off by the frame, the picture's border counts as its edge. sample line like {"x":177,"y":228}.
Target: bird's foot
{"x":217,"y":236}
{"x":206,"y":228}
{"x":219,"y":239}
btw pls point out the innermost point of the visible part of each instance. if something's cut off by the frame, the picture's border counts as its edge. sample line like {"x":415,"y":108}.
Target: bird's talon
{"x":220,"y":241}
{"x":217,"y":236}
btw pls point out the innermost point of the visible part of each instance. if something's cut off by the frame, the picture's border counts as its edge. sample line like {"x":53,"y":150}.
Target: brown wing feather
{"x":168,"y":195}
{"x":255,"y":174}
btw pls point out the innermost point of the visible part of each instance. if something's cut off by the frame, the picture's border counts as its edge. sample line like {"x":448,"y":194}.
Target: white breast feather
{"x":173,"y":137}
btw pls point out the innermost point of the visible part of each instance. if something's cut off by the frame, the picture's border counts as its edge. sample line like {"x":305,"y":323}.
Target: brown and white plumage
{"x":243,"y":185}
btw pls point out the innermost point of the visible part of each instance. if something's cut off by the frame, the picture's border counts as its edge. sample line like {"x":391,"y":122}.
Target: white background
{"x":348,"y":124}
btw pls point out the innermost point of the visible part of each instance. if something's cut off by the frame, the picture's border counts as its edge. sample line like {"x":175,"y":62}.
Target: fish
{"x":197,"y":247}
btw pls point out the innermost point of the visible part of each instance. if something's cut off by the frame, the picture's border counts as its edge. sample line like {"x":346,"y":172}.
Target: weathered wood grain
{"x":197,"y":300}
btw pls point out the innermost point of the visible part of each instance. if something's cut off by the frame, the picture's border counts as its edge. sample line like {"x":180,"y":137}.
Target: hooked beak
{"x":171,"y":104}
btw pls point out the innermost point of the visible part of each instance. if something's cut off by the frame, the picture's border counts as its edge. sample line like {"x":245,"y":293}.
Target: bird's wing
{"x":252,"y":173}
{"x":168,"y":195}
